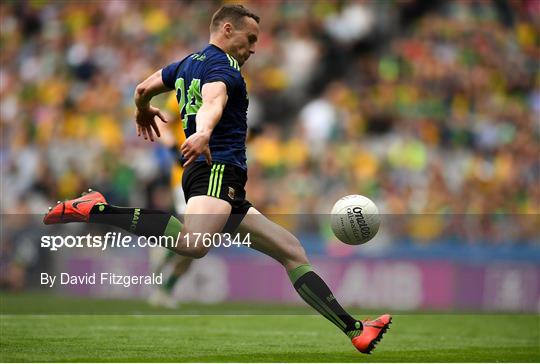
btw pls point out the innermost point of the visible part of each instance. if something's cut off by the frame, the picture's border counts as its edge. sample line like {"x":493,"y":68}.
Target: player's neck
{"x":219,"y":44}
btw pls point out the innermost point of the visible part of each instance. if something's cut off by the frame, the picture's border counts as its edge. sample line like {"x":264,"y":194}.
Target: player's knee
{"x":300,"y":257}
{"x":190,"y":248}
{"x":295,"y":254}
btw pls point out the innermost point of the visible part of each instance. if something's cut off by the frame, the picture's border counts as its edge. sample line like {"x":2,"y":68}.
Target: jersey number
{"x":190,"y":104}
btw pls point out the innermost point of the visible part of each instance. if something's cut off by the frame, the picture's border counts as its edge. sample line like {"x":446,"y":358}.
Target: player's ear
{"x":227,"y":29}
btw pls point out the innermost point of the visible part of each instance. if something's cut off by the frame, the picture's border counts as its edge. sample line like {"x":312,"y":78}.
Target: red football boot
{"x":372,"y":333}
{"x":77,"y":210}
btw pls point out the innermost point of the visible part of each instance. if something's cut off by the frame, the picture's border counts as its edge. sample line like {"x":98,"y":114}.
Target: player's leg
{"x":205,"y":215}
{"x":275,"y":241}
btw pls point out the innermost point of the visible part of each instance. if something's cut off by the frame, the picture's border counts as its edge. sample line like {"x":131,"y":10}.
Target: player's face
{"x":243,"y":40}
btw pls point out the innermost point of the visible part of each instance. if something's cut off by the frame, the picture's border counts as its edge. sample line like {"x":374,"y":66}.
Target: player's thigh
{"x":206,"y":214}
{"x":179,"y":200}
{"x":268,"y":237}
{"x":204,"y":217}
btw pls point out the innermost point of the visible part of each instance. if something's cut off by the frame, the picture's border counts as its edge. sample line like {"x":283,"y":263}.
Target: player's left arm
{"x":214,"y":98}
{"x":145,"y":113}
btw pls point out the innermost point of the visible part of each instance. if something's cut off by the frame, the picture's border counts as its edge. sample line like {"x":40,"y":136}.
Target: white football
{"x":355,"y":219}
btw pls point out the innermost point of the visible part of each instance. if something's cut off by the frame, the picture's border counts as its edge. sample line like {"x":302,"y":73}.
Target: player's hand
{"x":146,"y":122}
{"x":196,"y":145}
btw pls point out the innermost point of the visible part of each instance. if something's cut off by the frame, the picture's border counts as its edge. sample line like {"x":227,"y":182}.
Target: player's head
{"x":235,"y":29}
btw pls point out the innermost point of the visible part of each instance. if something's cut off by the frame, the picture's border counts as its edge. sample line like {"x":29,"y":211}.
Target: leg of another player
{"x":163,"y":295}
{"x":181,"y":266}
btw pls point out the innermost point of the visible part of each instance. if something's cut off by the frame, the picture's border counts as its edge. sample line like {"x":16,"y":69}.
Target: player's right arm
{"x":214,"y":98}
{"x":145,"y":114}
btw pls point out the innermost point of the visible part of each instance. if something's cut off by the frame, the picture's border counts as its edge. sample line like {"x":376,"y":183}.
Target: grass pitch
{"x":245,"y":333}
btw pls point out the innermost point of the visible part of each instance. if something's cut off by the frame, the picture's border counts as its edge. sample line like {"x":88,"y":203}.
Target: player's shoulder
{"x":215,"y":57}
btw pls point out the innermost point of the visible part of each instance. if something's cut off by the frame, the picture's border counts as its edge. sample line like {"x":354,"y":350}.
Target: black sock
{"x":316,"y":293}
{"x":141,"y":222}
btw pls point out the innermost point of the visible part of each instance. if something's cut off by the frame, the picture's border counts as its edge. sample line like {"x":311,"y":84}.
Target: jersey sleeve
{"x":224,"y":72}
{"x":168,"y":74}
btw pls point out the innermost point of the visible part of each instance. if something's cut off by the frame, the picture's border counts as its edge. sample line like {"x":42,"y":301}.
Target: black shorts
{"x":224,"y":181}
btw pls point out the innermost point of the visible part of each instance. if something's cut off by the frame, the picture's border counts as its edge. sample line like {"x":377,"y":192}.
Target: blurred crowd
{"x":432,"y":110}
